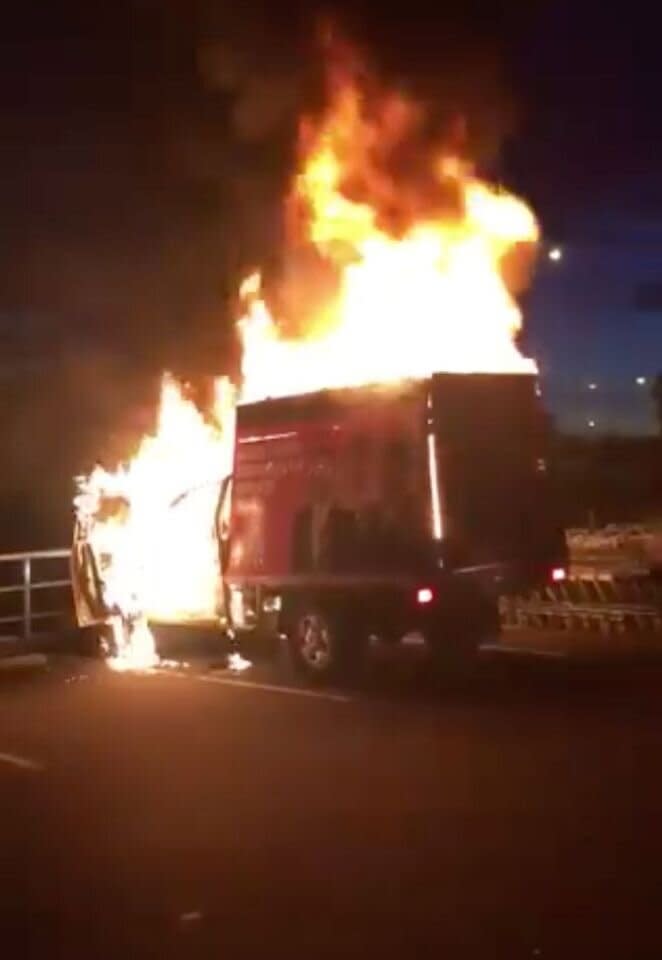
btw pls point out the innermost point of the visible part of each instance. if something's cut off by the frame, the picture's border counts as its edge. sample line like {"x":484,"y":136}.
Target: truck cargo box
{"x":386,"y":481}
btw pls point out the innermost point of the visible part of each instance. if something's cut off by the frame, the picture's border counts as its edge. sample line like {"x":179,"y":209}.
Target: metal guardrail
{"x":589,"y":600}
{"x":22,"y":571}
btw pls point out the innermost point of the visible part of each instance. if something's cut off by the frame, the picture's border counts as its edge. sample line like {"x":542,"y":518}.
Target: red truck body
{"x":353,"y":500}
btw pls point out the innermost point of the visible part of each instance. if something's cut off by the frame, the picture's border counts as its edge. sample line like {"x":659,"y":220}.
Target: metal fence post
{"x":27,"y":598}
{"x":21,"y":613}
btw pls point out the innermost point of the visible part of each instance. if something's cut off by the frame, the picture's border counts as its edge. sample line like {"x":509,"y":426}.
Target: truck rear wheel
{"x":321,"y":643}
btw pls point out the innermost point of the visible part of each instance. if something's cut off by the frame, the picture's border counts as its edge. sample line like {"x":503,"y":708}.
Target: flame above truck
{"x":395,"y":269}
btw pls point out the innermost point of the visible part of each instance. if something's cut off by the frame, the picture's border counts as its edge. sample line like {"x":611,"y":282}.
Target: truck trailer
{"x":387,"y":511}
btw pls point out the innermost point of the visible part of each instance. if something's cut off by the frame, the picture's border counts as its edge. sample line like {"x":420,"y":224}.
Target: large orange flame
{"x":419,"y":265}
{"x":151,"y":523}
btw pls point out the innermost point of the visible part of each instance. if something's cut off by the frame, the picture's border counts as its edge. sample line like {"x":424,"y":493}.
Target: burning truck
{"x":381,"y":472}
{"x":385,"y":512}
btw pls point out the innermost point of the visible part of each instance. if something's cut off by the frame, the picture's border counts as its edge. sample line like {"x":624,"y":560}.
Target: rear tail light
{"x":424,"y":595}
{"x":559,"y":574}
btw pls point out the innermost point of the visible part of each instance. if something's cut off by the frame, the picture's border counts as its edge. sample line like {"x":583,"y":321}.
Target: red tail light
{"x":424,"y":595}
{"x":559,"y":574}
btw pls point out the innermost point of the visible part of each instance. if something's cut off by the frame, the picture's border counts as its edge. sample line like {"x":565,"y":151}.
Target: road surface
{"x":183,"y":814}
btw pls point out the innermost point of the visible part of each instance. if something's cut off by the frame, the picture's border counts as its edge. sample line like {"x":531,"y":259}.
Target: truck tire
{"x":322,"y":643}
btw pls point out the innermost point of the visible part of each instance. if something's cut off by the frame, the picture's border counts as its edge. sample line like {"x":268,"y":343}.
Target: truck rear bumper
{"x":443,"y":610}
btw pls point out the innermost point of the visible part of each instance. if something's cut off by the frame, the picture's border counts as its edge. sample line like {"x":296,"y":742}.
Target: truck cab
{"x":378,"y":512}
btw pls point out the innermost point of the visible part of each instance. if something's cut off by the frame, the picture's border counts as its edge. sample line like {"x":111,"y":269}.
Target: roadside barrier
{"x":35,"y":592}
{"x":589,"y":600}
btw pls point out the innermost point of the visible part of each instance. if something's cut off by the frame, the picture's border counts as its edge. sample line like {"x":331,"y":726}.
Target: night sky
{"x":146,"y":146}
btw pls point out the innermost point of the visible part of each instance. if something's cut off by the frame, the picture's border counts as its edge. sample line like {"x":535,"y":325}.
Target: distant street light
{"x":591,"y":423}
{"x":555,"y":254}
{"x":593,"y":386}
{"x":641,"y":381}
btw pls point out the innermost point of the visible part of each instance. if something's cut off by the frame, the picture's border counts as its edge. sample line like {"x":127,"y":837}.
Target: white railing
{"x":19,"y":582}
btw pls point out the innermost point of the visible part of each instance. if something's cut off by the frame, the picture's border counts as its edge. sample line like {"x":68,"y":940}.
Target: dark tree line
{"x":656,"y":393}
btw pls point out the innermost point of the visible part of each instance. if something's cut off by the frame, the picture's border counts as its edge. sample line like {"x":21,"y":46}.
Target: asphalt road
{"x":191,"y":816}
